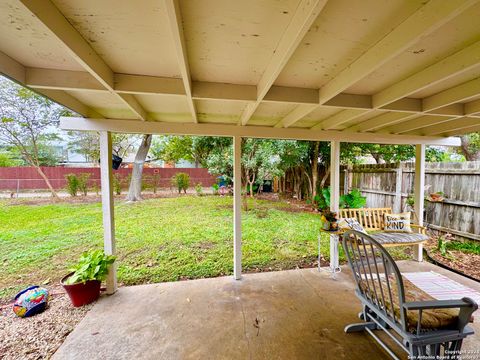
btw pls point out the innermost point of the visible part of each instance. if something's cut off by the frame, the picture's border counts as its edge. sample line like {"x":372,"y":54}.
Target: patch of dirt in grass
{"x":466,"y":263}
{"x":39,"y":336}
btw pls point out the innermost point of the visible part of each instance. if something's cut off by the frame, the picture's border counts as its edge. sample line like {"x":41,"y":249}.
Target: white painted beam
{"x":335,"y":176}
{"x":381,"y":121}
{"x":70,"y":102}
{"x":462,"y":92}
{"x":339,"y":118}
{"x":175,"y":20}
{"x":12,"y":68}
{"x":107,"y":205}
{"x":237,"y":207}
{"x":61,"y":80}
{"x":298,"y":113}
{"x":472,"y":107}
{"x":140,"y":84}
{"x":17,"y":72}
{"x":305,"y":14}
{"x":422,"y":22}
{"x":460,"y":62}
{"x":419,"y":193}
{"x":47,"y":13}
{"x":414,"y":124}
{"x":204,"y":129}
{"x":447,"y":126}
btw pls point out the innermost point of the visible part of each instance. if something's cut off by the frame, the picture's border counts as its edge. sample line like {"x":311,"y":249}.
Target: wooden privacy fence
{"x":390,"y":185}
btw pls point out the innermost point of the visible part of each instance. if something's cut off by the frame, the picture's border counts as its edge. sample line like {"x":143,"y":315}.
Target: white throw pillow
{"x":350,"y":224}
{"x":397,"y":222}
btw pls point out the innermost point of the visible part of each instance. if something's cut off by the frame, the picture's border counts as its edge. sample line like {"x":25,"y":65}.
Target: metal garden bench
{"x":416,"y":322}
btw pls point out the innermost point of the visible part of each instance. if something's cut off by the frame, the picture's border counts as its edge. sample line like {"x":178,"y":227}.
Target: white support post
{"x":419,"y":194}
{"x":334,"y":176}
{"x":107,"y":205}
{"x":237,"y":207}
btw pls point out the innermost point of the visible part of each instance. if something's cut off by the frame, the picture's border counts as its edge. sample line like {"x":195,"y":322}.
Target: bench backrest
{"x":372,"y":219}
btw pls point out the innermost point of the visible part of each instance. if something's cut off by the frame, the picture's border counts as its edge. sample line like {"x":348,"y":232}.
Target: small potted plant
{"x":83,"y":283}
{"x":329,"y":220}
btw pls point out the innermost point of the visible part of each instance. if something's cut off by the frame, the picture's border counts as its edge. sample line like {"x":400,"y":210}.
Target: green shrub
{"x":117,"y":184}
{"x":215,"y":188}
{"x":96,"y":188}
{"x":72,"y":184}
{"x":199,"y":189}
{"x":181,"y":181}
{"x":83,"y":183}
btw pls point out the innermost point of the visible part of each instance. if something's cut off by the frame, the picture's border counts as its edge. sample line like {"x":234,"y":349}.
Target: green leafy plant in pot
{"x":83,"y":283}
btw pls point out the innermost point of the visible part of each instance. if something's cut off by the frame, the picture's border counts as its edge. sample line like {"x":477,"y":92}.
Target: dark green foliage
{"x":353,"y":200}
{"x":93,"y":265}
{"x":181,"y":181}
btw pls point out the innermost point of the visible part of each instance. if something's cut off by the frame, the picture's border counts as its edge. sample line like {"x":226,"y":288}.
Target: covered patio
{"x":395,"y":72}
{"x":295,"y":314}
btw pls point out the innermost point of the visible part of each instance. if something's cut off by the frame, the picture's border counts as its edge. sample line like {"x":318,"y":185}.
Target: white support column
{"x":107,"y":205}
{"x":335,"y":176}
{"x":419,"y":194}
{"x":237,"y":207}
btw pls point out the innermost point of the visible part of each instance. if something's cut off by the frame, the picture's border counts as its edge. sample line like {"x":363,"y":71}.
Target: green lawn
{"x":157,"y":240}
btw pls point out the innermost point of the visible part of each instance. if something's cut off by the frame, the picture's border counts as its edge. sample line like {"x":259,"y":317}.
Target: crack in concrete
{"x":245,"y":330}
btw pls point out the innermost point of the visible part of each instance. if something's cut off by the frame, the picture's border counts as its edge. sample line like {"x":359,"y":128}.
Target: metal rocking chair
{"x":419,"y":324}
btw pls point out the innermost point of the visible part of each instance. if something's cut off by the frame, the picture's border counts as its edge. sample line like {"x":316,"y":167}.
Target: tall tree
{"x":135,"y":189}
{"x":27,"y":123}
{"x":470,"y":147}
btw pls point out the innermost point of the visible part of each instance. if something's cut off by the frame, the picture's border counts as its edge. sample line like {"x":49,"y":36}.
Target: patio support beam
{"x":107,"y":205}
{"x":237,"y":207}
{"x":335,"y":176}
{"x":176,"y":27}
{"x":419,"y":194}
{"x":306,"y":13}
{"x":261,"y":132}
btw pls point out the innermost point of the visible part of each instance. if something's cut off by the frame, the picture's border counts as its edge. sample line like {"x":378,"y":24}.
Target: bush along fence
{"x":452,"y":192}
{"x":15,"y":179}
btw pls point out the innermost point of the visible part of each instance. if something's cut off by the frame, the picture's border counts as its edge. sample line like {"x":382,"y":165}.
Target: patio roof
{"x":376,"y":71}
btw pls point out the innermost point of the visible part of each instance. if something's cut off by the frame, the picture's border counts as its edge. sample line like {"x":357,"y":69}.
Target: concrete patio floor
{"x":295,"y":314}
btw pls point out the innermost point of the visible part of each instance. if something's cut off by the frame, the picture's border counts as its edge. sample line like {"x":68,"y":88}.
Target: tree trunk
{"x":315,"y":169}
{"x":135,"y":189}
{"x":325,"y":177}
{"x":467,"y":152}
{"x":47,"y":181}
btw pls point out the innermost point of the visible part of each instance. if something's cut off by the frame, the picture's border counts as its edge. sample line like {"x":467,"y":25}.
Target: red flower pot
{"x":82,"y":293}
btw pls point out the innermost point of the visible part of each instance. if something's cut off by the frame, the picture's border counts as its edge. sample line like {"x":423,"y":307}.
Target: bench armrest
{"x":419,"y":228}
{"x":441,"y":304}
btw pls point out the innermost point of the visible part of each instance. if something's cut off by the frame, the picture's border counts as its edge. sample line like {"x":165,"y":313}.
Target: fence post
{"x":346,"y":180}
{"x":397,"y":202}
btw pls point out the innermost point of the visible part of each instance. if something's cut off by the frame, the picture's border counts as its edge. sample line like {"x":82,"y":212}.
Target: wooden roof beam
{"x":48,"y":14}
{"x":176,"y":27}
{"x":305,"y":14}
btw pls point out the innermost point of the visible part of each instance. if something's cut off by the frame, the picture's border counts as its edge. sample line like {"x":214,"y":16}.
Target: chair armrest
{"x":420,"y":229}
{"x":441,"y":304}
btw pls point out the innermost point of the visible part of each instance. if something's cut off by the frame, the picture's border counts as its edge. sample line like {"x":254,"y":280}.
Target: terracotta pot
{"x":82,"y":293}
